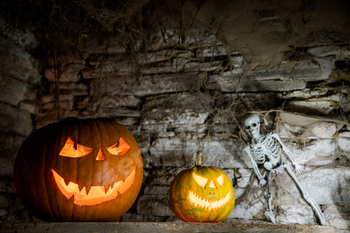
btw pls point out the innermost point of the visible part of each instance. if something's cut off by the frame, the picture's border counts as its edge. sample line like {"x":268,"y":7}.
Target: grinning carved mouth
{"x":205,"y":203}
{"x":95,"y":194}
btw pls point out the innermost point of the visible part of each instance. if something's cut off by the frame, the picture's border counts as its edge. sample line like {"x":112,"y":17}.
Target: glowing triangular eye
{"x":120,"y":148}
{"x":74,"y":150}
{"x":201,"y":181}
{"x":220,"y":180}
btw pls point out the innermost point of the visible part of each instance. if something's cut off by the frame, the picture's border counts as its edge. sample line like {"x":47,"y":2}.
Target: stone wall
{"x":180,"y":99}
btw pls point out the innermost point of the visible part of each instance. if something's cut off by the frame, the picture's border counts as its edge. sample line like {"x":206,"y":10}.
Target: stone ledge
{"x":156,"y":227}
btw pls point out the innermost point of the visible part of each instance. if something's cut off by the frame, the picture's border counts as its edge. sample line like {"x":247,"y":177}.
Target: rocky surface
{"x":188,"y":99}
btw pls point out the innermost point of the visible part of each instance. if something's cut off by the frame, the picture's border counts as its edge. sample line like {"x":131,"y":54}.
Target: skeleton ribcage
{"x":267,"y":148}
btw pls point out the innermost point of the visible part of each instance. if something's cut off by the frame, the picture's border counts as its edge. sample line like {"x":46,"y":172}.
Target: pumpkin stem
{"x":199,"y":159}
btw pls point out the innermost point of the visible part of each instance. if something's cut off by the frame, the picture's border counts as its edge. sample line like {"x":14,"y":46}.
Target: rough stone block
{"x":69,"y":73}
{"x":249,"y":205}
{"x":156,"y":205}
{"x":314,"y":153}
{"x":337,"y":217}
{"x":184,"y":100}
{"x":6,"y":166}
{"x":9,"y":144}
{"x":51,"y":98}
{"x":232,"y":85}
{"x":172,"y":117}
{"x":295,"y":214}
{"x":304,"y":94}
{"x":301,"y":70}
{"x":202,"y":66}
{"x":15,"y":120}
{"x":64,"y":105}
{"x":7,"y":186}
{"x":74,"y":88}
{"x":178,"y":153}
{"x":151,"y":84}
{"x":163,"y":176}
{"x":324,"y":130}
{"x":29,"y":106}
{"x":117,"y":112}
{"x":4,"y":202}
{"x":160,"y":130}
{"x":18,"y":63}
{"x":327,"y":186}
{"x":344,"y":141}
{"x":314,"y":106}
{"x":156,"y":190}
{"x":324,"y":51}
{"x":214,"y":51}
{"x":13,"y":91}
{"x":120,"y":101}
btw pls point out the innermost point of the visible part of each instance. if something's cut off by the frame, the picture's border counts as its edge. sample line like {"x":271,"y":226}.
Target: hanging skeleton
{"x":268,"y":150}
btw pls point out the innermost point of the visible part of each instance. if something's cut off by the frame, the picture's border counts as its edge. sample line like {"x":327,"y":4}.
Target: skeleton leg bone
{"x":268,"y":212}
{"x":307,"y":197}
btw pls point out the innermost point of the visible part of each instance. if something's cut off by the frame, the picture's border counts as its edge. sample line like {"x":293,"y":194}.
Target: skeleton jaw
{"x":255,"y":132}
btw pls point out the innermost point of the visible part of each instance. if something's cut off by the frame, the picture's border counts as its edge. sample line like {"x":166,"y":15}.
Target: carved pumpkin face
{"x":79,"y":170}
{"x":202,"y":194}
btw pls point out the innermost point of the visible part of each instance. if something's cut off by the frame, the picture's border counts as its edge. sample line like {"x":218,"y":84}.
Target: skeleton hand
{"x":299,"y":168}
{"x":262,"y":182}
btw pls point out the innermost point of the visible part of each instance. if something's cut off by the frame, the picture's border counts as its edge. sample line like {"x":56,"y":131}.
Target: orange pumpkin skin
{"x":211,"y":187}
{"x":114,"y":177}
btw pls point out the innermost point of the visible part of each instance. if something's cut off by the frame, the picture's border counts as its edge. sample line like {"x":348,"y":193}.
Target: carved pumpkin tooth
{"x":71,"y":199}
{"x":107,"y":188}
{"x":80,"y":187}
{"x":87,"y":188}
{"x":112,"y":185}
{"x":66,"y":182}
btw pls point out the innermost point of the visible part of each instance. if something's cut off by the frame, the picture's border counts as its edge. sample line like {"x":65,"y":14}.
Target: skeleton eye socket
{"x":247,"y":127}
{"x":254,"y":125}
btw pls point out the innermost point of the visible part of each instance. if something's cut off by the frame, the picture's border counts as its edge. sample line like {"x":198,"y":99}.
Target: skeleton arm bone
{"x":298,"y":168}
{"x":262,"y":181}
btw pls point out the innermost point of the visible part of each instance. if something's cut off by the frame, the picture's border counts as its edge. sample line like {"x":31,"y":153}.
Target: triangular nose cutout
{"x":100,"y":155}
{"x":212,"y":185}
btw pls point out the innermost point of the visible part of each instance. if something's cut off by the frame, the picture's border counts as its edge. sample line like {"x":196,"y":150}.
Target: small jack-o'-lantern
{"x":79,"y":170}
{"x":202,"y":194}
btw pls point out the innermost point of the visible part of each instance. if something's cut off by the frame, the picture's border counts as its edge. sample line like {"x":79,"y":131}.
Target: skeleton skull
{"x":252,"y":125}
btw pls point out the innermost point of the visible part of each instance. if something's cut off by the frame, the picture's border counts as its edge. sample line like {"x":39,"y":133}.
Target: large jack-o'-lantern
{"x":79,"y":170}
{"x":202,"y":194}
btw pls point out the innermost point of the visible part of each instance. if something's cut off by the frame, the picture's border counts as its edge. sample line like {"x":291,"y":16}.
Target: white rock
{"x":249,"y":205}
{"x":344,"y":144}
{"x":295,"y":214}
{"x":327,"y":186}
{"x":337,"y":216}
{"x":324,"y":51}
{"x":243,"y":177}
{"x":325,"y":107}
{"x":324,"y":130}
{"x":316,"y":153}
{"x":344,"y":135}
